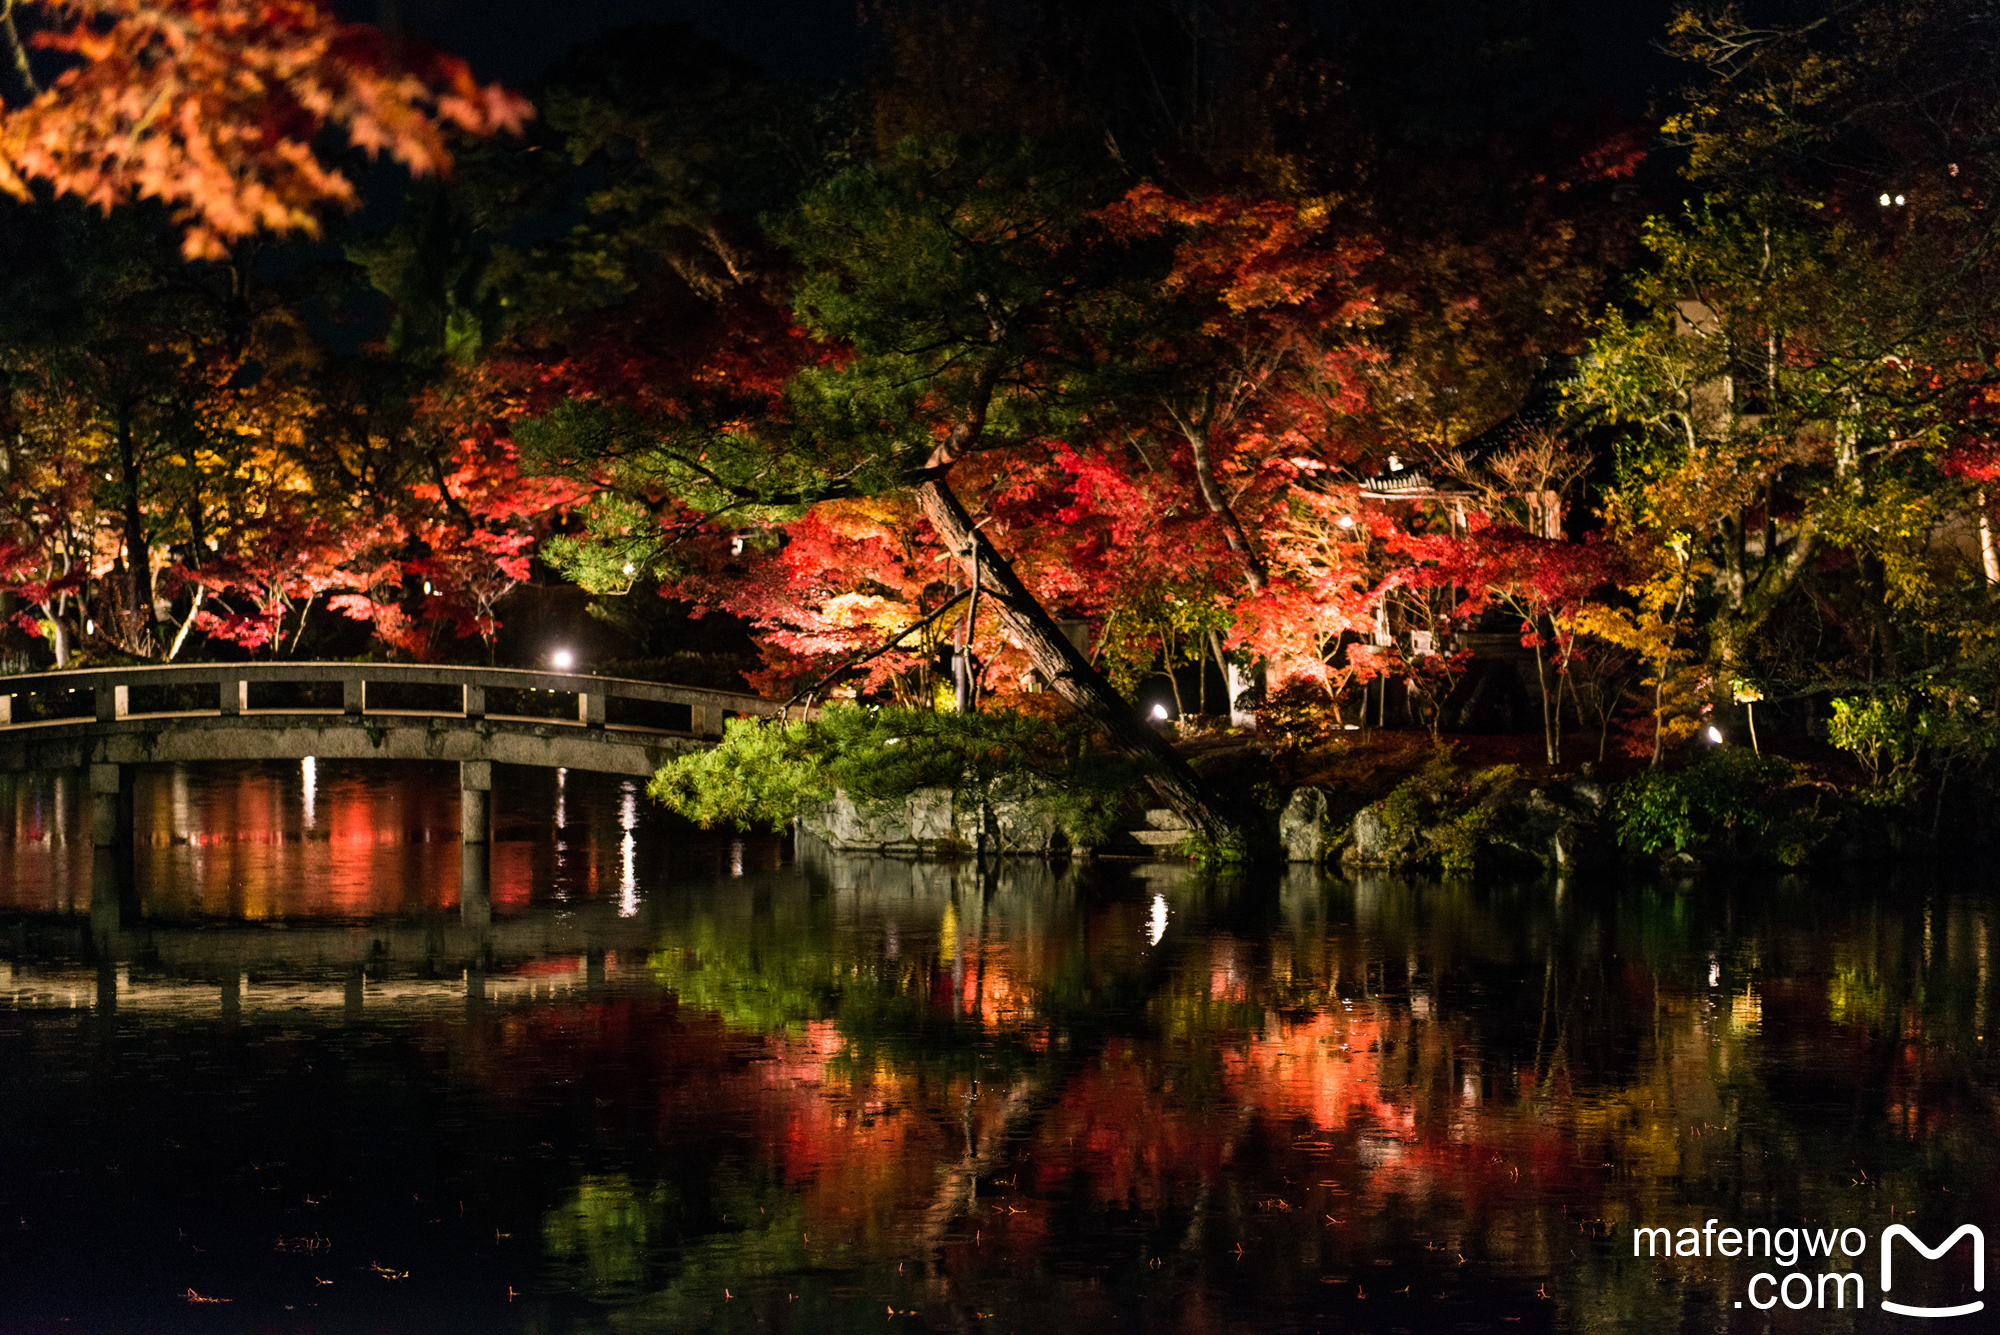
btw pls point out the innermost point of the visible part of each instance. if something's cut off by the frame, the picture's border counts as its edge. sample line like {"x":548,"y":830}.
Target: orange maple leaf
{"x":212,"y":106}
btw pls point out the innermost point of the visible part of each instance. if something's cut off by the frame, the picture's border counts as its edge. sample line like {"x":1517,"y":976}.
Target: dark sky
{"x":1615,"y":43}
{"x":514,"y":40}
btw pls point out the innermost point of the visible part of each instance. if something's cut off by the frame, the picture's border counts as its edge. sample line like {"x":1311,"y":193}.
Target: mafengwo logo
{"x":1826,"y":1288}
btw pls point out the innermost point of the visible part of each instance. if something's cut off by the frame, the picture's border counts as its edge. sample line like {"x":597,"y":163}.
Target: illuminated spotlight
{"x":1883,"y":201}
{"x":630,"y":570}
{"x":1160,"y":713}
{"x":562,"y":660}
{"x":427,"y":586}
{"x":1899,"y":199}
{"x":1347,"y":521}
{"x":1715,"y":735}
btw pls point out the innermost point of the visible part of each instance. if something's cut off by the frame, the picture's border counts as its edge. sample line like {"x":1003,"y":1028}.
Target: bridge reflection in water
{"x":431,"y":961}
{"x":352,"y":872}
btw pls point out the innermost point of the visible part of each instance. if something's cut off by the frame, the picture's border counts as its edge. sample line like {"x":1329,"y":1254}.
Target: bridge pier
{"x":475,"y":831}
{"x":475,"y":895}
{"x":114,"y":894}
{"x":107,"y":990}
{"x":475,"y":800}
{"x":110,"y":805}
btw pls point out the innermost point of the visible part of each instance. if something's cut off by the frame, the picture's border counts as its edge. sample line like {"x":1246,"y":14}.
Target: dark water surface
{"x":282,"y":1082}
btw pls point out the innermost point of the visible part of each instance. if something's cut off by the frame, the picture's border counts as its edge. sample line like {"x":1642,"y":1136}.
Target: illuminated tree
{"x":1547,"y":583}
{"x":1812,"y":342}
{"x":212,"y":107}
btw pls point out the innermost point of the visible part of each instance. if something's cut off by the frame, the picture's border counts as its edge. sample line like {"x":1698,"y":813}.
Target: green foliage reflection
{"x":608,"y":1231}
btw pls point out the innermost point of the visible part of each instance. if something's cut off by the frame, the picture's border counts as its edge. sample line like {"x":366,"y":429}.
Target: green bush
{"x":1458,"y":839}
{"x":1443,"y":814}
{"x":758,"y":775}
{"x":764,"y":770}
{"x":1300,"y":718}
{"x":1898,"y":732}
{"x":1877,"y":730}
{"x":1749,"y":806}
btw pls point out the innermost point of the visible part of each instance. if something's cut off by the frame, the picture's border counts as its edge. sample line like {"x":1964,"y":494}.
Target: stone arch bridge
{"x":109,"y":719}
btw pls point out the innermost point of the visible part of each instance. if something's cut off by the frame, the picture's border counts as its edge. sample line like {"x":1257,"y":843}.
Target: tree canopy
{"x":1070,"y":350}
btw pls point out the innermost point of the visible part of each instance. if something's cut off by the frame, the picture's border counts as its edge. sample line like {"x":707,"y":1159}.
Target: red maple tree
{"x":1544,"y":581}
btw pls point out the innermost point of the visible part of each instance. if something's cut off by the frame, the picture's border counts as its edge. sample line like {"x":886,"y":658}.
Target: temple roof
{"x":1542,"y":407}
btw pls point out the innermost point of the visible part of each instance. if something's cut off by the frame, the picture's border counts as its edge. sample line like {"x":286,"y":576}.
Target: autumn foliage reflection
{"x":1383,"y":1081}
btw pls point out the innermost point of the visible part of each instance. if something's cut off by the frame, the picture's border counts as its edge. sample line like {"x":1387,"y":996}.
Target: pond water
{"x":273,"y":1075}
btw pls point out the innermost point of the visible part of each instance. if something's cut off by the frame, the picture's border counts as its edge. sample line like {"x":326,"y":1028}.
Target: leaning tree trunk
{"x":138,"y":590}
{"x":1072,"y":676}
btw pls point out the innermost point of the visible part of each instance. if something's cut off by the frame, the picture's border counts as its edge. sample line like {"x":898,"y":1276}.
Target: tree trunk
{"x":1067,"y":671}
{"x":1218,"y":505}
{"x":964,"y":677}
{"x":138,"y":591}
{"x":17,"y":53}
{"x":1989,"y":559}
{"x":1551,"y":720}
{"x":59,"y":633}
{"x":180,"y":636}
{"x":1551,"y":717}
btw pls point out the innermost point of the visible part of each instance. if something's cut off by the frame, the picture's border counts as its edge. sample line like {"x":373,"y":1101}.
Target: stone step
{"x":1156,"y":838}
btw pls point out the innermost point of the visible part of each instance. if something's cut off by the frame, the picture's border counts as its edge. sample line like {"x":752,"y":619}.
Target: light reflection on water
{"x":676,"y":1083}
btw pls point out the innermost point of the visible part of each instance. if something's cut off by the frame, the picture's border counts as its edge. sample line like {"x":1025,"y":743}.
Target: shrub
{"x":1877,"y":730}
{"x":1751,"y":806}
{"x":757,"y":775}
{"x":1443,"y":814}
{"x":1897,"y":731}
{"x":764,"y":770}
{"x":1299,"y":717}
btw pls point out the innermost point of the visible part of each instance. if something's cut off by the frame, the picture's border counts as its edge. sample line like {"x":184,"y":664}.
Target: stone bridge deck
{"x":110,"y":718}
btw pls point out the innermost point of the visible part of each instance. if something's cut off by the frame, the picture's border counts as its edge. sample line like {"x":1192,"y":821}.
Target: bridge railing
{"x":110,"y":691}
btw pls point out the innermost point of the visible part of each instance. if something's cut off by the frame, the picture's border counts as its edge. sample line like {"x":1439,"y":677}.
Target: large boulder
{"x":1374,"y":844}
{"x":1307,"y":829}
{"x":1015,"y":825}
{"x":934,"y":821}
{"x":1554,"y":824}
{"x":929,"y":820}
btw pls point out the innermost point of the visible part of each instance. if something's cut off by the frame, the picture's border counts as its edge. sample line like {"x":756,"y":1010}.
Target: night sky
{"x":1613,"y":49}
{"x":514,"y":40}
